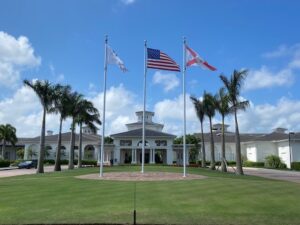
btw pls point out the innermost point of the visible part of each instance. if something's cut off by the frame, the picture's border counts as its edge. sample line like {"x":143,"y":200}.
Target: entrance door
{"x":147,"y":157}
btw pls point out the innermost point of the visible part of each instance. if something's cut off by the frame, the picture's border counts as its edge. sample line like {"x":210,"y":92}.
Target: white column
{"x":153,"y":157}
{"x":132,"y":156}
{"x":117,"y":155}
{"x":169,"y":153}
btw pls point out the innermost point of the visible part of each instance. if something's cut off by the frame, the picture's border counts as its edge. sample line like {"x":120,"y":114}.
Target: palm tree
{"x":199,"y":107}
{"x":209,"y":104}
{"x":45,"y":92}
{"x":61,"y":106}
{"x":88,"y":115}
{"x":233,"y":86}
{"x":7,"y":134}
{"x":223,"y":107}
{"x":76,"y":100}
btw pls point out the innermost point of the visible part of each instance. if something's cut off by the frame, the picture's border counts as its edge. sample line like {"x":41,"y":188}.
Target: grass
{"x":220,"y":199}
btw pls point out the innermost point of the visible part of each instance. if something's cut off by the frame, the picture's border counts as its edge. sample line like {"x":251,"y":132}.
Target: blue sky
{"x":65,"y":43}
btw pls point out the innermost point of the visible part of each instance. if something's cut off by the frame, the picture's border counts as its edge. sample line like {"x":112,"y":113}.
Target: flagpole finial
{"x":184,"y":39}
{"x":106,"y":38}
{"x":145,"y":42}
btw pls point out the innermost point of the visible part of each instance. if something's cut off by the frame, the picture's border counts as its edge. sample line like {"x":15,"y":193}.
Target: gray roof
{"x":138,"y":133}
{"x":65,"y":137}
{"x":249,"y":137}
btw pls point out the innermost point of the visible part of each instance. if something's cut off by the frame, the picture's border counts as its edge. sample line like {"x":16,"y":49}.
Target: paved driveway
{"x":17,"y":172}
{"x":284,"y":175}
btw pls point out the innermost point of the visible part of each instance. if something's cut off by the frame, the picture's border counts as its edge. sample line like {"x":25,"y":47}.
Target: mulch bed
{"x":138,"y":176}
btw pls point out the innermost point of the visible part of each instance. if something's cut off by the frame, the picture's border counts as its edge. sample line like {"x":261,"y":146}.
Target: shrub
{"x":16,"y":162}
{"x":89,"y":162}
{"x":231,"y":163}
{"x":64,"y":162}
{"x":253,"y":164}
{"x":295,"y":166}
{"x":274,"y":162}
{"x":49,"y":161}
{"x":4,"y":163}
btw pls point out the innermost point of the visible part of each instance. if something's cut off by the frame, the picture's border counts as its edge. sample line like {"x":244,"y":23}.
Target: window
{"x":125,"y":142}
{"x":161,"y":143}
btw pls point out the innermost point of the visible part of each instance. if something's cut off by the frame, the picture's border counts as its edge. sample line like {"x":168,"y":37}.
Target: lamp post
{"x":290,"y":149}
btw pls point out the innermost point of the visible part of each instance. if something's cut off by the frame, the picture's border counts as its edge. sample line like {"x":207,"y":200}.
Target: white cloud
{"x":283,"y":51}
{"x":58,"y":77}
{"x":121,"y":105}
{"x":128,"y":2}
{"x":264,"y":78}
{"x":23,"y":110}
{"x":170,"y":113}
{"x":168,"y":80}
{"x":266,"y":117}
{"x":15,"y":56}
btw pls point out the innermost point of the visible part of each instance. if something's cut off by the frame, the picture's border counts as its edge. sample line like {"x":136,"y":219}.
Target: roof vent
{"x":49,"y":132}
{"x":280,"y":130}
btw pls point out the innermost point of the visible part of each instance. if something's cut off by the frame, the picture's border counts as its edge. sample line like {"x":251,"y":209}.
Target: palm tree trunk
{"x":203,"y":147}
{"x":3,"y":148}
{"x":40,"y":166}
{"x":239,"y":168}
{"x":212,"y":148}
{"x":71,"y":156}
{"x":223,"y":165}
{"x":80,"y":146}
{"x":57,"y":166}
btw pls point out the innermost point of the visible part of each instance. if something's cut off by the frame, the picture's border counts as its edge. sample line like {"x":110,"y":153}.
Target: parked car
{"x":28,"y":164}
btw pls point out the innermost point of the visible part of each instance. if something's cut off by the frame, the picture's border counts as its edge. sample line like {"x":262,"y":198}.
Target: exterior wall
{"x":295,"y":149}
{"x":264,"y":149}
{"x":52,"y":150}
{"x":229,"y":151}
{"x":251,"y":152}
{"x":284,"y":153}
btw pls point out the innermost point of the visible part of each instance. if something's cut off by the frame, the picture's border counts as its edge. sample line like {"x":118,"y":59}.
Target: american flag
{"x":159,"y":60}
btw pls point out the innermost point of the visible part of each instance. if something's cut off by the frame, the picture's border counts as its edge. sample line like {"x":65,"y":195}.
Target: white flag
{"x":113,"y":58}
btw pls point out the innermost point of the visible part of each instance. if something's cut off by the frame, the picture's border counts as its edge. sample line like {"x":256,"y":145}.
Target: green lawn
{"x":219,"y":199}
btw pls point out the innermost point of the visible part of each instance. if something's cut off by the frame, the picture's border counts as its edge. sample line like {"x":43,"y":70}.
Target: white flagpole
{"x":144,"y":108}
{"x":103,"y":113}
{"x":184,"y":108}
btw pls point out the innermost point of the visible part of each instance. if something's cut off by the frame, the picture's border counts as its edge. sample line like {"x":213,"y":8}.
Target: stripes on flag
{"x":158,"y":60}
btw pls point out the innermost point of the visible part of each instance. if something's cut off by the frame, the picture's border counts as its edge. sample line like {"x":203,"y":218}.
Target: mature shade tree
{"x":199,"y":107}
{"x":193,"y":151}
{"x":45,"y":92}
{"x":233,"y":86}
{"x":76,"y":100}
{"x":7,"y":135}
{"x":61,"y":106}
{"x":87,"y":115}
{"x":209,"y":103}
{"x":223,"y":107}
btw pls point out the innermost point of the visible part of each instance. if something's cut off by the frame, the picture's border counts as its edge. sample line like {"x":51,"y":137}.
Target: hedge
{"x":295,"y":166}
{"x":4,"y":163}
{"x":253,"y":164}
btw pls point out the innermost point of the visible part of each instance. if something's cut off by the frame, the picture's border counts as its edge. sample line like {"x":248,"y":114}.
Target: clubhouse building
{"x":126,"y":147}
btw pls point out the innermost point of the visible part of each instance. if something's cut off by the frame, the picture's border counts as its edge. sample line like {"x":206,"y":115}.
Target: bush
{"x":231,"y":163}
{"x":274,"y":162}
{"x":4,"y":163}
{"x":89,"y":162}
{"x":49,"y":161}
{"x":295,"y":166}
{"x":64,"y":162}
{"x":16,"y":162}
{"x":253,"y":164}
